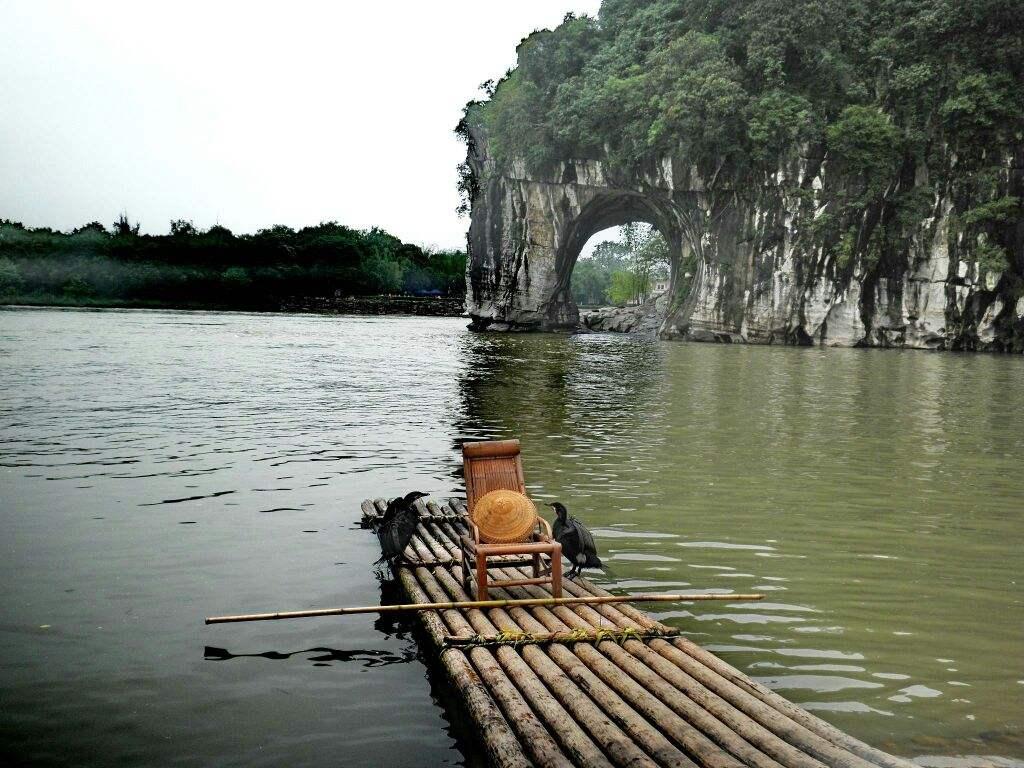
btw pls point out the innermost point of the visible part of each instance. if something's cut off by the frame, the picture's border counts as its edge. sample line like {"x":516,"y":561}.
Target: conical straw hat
{"x":504,"y":517}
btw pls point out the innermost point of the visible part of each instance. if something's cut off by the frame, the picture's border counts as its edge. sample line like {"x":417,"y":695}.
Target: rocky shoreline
{"x":424,"y":306}
{"x":644,"y":318}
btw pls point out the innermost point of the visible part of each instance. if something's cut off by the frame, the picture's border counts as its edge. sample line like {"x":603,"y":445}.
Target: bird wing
{"x":567,"y":535}
{"x":588,"y":546}
{"x":401,"y":530}
{"x":390,"y":511}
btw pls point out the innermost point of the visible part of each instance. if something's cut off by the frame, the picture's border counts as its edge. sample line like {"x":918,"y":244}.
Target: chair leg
{"x":481,"y":576}
{"x":536,"y":564}
{"x":556,"y":571}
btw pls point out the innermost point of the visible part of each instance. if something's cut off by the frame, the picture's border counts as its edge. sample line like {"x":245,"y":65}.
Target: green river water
{"x":157,"y":467}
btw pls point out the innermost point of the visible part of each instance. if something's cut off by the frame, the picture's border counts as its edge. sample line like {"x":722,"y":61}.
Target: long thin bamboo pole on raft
{"x":534,"y":601}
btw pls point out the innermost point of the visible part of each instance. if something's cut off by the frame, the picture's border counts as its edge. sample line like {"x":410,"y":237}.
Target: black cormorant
{"x":397,"y":525}
{"x":577,"y":542}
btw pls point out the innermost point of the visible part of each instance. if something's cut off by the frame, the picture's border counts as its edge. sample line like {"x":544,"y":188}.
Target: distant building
{"x":660,"y":285}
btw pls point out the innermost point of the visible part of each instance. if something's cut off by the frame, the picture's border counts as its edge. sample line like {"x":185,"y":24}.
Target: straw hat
{"x":504,"y":517}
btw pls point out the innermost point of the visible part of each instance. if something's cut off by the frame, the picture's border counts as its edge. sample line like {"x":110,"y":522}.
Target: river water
{"x":159,"y":467}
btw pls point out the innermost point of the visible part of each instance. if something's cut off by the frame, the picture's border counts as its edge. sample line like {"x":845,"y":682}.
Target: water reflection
{"x":323,"y":658}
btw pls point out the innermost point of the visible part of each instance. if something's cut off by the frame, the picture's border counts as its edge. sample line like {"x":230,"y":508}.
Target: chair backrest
{"x":491,"y":466}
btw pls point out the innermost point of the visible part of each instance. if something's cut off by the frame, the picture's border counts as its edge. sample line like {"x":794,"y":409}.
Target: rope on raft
{"x":516,"y":639}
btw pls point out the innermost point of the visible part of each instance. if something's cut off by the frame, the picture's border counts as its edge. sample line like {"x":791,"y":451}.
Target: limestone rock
{"x":759,"y":277}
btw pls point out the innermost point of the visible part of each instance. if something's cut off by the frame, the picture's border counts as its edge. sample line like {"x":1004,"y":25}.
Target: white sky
{"x":248,"y":113}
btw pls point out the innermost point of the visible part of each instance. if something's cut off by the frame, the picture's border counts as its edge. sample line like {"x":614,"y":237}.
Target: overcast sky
{"x":248,"y":114}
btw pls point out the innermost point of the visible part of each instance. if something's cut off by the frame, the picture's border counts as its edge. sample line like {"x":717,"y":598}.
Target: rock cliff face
{"x":761,"y":277}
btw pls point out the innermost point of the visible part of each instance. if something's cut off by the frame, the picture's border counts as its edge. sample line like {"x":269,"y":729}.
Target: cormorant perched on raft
{"x":577,"y":542}
{"x":397,"y":525}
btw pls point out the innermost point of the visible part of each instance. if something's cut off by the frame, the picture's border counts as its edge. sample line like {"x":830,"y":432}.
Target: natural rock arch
{"x":611,"y":208}
{"x":755,"y":281}
{"x":527,"y":231}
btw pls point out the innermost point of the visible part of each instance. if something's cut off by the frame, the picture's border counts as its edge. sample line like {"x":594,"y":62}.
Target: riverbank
{"x":423,"y":306}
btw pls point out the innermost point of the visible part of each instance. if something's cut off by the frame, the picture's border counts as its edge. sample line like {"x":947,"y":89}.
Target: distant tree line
{"x":189,"y":267}
{"x":622,"y":271}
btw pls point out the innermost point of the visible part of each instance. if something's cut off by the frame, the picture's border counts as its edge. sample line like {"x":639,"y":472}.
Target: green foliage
{"x":590,"y":282}
{"x":189,"y":267}
{"x":864,"y":142}
{"x":621,"y":271}
{"x":847,"y":249}
{"x":777,"y":121}
{"x":10,"y":277}
{"x":236,"y":277}
{"x":624,"y":288}
{"x":990,"y":257}
{"x":878,"y":88}
{"x":1004,"y":210}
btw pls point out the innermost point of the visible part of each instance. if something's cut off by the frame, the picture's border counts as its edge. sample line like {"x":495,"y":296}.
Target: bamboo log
{"x":705,"y":671}
{"x":534,"y":601}
{"x":423,"y":532}
{"x":613,"y":741}
{"x":430,"y":536}
{"x":725,"y":721}
{"x":532,"y":735}
{"x":502,"y":747}
{"x":610,"y":705}
{"x":637,"y":692}
{"x":369,"y":512}
{"x":561,"y":725}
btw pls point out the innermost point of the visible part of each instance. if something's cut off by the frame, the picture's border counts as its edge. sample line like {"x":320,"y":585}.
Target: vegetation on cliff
{"x":94,"y":265}
{"x":897,"y":103}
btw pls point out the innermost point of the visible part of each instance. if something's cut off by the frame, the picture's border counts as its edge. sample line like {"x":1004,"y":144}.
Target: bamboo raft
{"x":599,"y":685}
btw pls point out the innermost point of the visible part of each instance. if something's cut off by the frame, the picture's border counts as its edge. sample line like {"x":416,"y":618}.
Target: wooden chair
{"x":497,"y":465}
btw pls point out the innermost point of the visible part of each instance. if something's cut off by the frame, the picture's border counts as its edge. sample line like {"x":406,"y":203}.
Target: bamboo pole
{"x":589,"y":725}
{"x":790,"y":724}
{"x":636,"y":695}
{"x":456,"y":604}
{"x":609,"y":719}
{"x":525,"y":681}
{"x":500,"y":742}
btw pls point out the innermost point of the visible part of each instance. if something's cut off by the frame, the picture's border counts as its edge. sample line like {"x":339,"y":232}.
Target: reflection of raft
{"x":611,"y":697}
